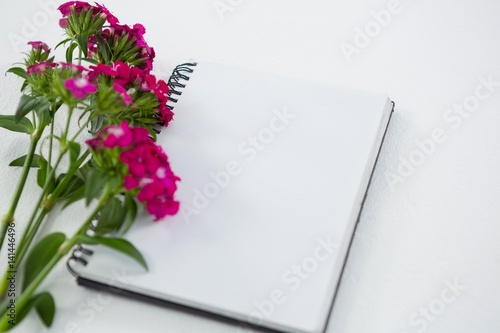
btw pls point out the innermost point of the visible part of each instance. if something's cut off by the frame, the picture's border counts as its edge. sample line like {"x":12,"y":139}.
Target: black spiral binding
{"x":179,"y":75}
{"x":78,"y":254}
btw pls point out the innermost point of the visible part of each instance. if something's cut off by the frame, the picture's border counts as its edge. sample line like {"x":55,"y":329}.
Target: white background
{"x":436,"y":225}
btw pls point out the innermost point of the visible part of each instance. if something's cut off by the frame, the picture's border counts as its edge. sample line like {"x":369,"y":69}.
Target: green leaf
{"x":111,"y":217}
{"x":74,"y":152}
{"x":83,"y":43}
{"x":69,"y":52}
{"x":40,"y":255}
{"x":24,"y":125}
{"x":75,"y":184}
{"x":64,"y":41}
{"x":118,"y":244}
{"x":77,"y":195}
{"x":95,"y":183}
{"x":42,"y":175}
{"x":90,"y":60}
{"x":152,"y":134}
{"x":86,"y":18}
{"x":83,"y":171}
{"x":26,"y":104}
{"x":103,"y":49}
{"x":131,"y":208}
{"x":18,"y":71}
{"x":44,"y":305}
{"x":96,"y":124}
{"x":25,"y":84}
{"x":19,"y":162}
{"x":29,"y":103}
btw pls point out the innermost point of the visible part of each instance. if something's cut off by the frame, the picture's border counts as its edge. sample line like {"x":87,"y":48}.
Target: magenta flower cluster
{"x":148,"y":171}
{"x":80,"y":87}
{"x":114,"y":28}
{"x":40,"y":68}
{"x":98,"y":9}
{"x":38,"y":44}
{"x":127,"y":77}
{"x":122,"y":150}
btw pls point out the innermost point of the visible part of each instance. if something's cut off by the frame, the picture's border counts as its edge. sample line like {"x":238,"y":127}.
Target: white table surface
{"x":419,"y":233}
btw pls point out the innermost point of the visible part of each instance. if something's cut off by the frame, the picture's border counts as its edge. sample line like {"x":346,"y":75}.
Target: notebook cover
{"x":274,"y":171}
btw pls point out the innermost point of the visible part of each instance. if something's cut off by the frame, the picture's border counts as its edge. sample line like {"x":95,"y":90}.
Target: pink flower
{"x":159,"y":88}
{"x":137,"y":32}
{"x":127,"y":100}
{"x":158,"y":197}
{"x":65,"y":8}
{"x":161,"y":207}
{"x":38,"y":44}
{"x":142,"y":159}
{"x":80,"y":87}
{"x":121,"y":136}
{"x":140,"y":134}
{"x":104,"y":69}
{"x":76,"y":68}
{"x":63,"y":23}
{"x":101,"y":69}
{"x":39,"y":68}
{"x":94,"y":143}
{"x":92,"y":47}
{"x":118,"y":136}
{"x":166,"y":114}
{"x":109,"y":17}
{"x":122,"y":72}
{"x":148,"y":169}
{"x":79,"y":6}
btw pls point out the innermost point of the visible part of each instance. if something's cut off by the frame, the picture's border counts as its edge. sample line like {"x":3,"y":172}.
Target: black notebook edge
{"x":89,"y":283}
{"x":358,"y":219}
{"x":170,"y":305}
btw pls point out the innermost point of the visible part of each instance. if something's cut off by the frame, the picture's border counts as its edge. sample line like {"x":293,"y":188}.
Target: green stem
{"x":80,"y":130}
{"x":21,"y":249}
{"x":80,"y":54}
{"x":31,"y":230}
{"x":51,"y":142}
{"x":26,"y":295}
{"x":33,"y":119}
{"x":66,"y":129}
{"x":8,"y":218}
{"x":27,"y":238}
{"x":23,"y":300}
{"x":50,"y":201}
{"x":44,"y":192}
{"x":29,"y":234}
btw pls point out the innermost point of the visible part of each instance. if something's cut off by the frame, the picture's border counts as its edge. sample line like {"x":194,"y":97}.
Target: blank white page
{"x":293,"y":160}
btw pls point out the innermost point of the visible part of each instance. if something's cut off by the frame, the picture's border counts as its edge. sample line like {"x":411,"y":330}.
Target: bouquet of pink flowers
{"x":106,"y":81}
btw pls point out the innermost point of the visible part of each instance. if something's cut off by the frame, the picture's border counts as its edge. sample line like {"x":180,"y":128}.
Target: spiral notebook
{"x":274,"y":174}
